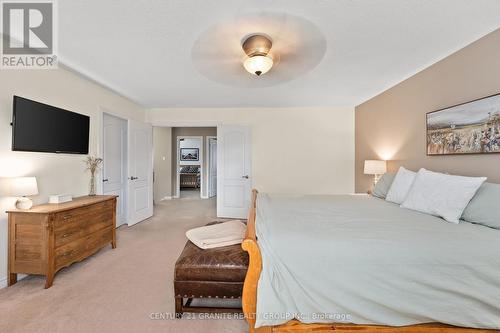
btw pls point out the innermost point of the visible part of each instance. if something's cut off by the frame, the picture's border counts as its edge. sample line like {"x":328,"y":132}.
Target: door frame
{"x":208,"y":163}
{"x":194,"y":123}
{"x":100,"y":153}
{"x":201,"y":161}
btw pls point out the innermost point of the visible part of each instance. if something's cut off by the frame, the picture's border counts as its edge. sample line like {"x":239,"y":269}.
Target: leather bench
{"x":212,"y":273}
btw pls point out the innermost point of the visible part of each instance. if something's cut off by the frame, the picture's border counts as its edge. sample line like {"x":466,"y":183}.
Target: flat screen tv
{"x":40,"y":127}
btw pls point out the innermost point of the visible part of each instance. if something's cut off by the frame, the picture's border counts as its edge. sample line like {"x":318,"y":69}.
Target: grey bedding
{"x":363,"y":260}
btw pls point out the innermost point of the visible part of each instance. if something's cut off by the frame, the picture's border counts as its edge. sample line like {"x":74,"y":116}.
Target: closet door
{"x":140,"y":172}
{"x":114,"y":162}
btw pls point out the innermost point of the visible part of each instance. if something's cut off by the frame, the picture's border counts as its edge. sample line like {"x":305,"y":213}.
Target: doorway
{"x":190,"y":167}
{"x":228,"y":182}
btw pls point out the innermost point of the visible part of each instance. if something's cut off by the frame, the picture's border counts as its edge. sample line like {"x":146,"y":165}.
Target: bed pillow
{"x":441,"y":195}
{"x":484,"y":208}
{"x":382,"y":187}
{"x":401,"y":185}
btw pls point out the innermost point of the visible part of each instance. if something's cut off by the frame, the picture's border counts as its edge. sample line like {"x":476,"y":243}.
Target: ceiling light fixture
{"x":257,"y":49}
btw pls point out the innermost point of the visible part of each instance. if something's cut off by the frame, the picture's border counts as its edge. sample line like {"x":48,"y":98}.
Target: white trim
{"x":207,"y":196}
{"x":166,"y":198}
{"x":195,"y":123}
{"x":3,"y":281}
{"x":178,"y":160}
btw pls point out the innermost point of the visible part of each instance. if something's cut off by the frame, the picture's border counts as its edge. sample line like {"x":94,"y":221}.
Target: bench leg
{"x":178,"y":307}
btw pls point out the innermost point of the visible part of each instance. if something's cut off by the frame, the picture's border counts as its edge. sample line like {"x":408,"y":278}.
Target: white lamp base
{"x":24,"y":203}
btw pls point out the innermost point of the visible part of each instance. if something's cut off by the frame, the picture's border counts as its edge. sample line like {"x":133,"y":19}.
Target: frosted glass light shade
{"x":375,"y":167}
{"x":258,"y":65}
{"x":23,"y":187}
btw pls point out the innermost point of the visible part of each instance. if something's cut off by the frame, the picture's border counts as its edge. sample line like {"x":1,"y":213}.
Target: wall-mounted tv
{"x":40,"y":127}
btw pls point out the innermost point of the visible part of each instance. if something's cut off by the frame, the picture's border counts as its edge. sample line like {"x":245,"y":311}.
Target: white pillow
{"x":400,"y":186}
{"x":442,"y":195}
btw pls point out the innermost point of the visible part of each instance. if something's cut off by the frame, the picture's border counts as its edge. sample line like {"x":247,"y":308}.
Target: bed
{"x":189,"y":176}
{"x":390,"y":269}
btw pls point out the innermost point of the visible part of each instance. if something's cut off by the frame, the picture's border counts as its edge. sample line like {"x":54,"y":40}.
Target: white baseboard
{"x":3,"y":280}
{"x":166,"y":198}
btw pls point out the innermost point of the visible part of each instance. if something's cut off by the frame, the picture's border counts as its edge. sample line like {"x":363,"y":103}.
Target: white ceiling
{"x":143,"y":49}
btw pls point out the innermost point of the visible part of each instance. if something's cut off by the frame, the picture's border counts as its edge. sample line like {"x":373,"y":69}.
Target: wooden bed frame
{"x":188,"y":180}
{"x":249,"y":302}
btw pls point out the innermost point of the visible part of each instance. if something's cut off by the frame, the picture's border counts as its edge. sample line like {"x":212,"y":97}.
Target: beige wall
{"x":192,"y":131}
{"x":162,"y":156}
{"x":56,"y":173}
{"x":303,"y":150}
{"x":392,"y":125}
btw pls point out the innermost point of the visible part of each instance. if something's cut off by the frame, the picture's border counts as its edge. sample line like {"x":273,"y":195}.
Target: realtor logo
{"x":28,"y":30}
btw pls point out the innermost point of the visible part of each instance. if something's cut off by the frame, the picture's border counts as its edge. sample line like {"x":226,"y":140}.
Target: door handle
{"x":105,"y":180}
{"x":246,"y":177}
{"x":133,"y":178}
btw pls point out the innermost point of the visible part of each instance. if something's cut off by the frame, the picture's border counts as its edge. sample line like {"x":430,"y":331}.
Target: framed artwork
{"x":190,"y":154}
{"x":468,"y":128}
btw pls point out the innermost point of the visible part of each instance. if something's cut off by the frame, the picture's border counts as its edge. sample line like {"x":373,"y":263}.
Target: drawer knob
{"x":66,"y":235}
{"x":66,"y":217}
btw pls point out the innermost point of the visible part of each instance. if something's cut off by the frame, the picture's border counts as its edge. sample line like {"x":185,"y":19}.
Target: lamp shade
{"x":23,"y":187}
{"x":375,"y":167}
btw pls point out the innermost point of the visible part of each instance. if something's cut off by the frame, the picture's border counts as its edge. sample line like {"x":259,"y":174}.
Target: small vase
{"x":92,"y":185}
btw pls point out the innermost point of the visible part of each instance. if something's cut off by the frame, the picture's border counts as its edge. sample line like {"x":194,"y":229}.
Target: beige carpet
{"x":117,"y":290}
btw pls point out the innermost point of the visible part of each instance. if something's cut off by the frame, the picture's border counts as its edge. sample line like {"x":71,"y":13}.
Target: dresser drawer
{"x":83,"y":220}
{"x":82,"y":247}
{"x":99,"y":239}
{"x":67,"y":235}
{"x":69,"y":253}
{"x":81,"y":226}
{"x":66,"y":218}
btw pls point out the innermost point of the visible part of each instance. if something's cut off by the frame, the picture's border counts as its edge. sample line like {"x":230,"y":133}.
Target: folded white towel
{"x":218,"y":235}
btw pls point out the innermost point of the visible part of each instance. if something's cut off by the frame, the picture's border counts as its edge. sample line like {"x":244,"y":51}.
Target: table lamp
{"x":23,"y":187}
{"x":375,"y":168}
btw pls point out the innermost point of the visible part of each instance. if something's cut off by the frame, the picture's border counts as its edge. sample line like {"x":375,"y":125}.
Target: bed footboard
{"x":249,"y":244}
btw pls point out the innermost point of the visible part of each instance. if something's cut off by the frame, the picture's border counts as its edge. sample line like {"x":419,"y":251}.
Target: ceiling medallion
{"x":295,"y":46}
{"x":257,"y":49}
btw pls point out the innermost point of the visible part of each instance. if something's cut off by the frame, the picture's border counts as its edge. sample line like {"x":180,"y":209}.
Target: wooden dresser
{"x":48,"y":237}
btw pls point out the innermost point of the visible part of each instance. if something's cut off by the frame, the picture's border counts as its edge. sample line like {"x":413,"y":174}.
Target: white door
{"x":114,"y":162}
{"x":212,"y":167}
{"x":140,"y":172}
{"x":234,"y":175}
